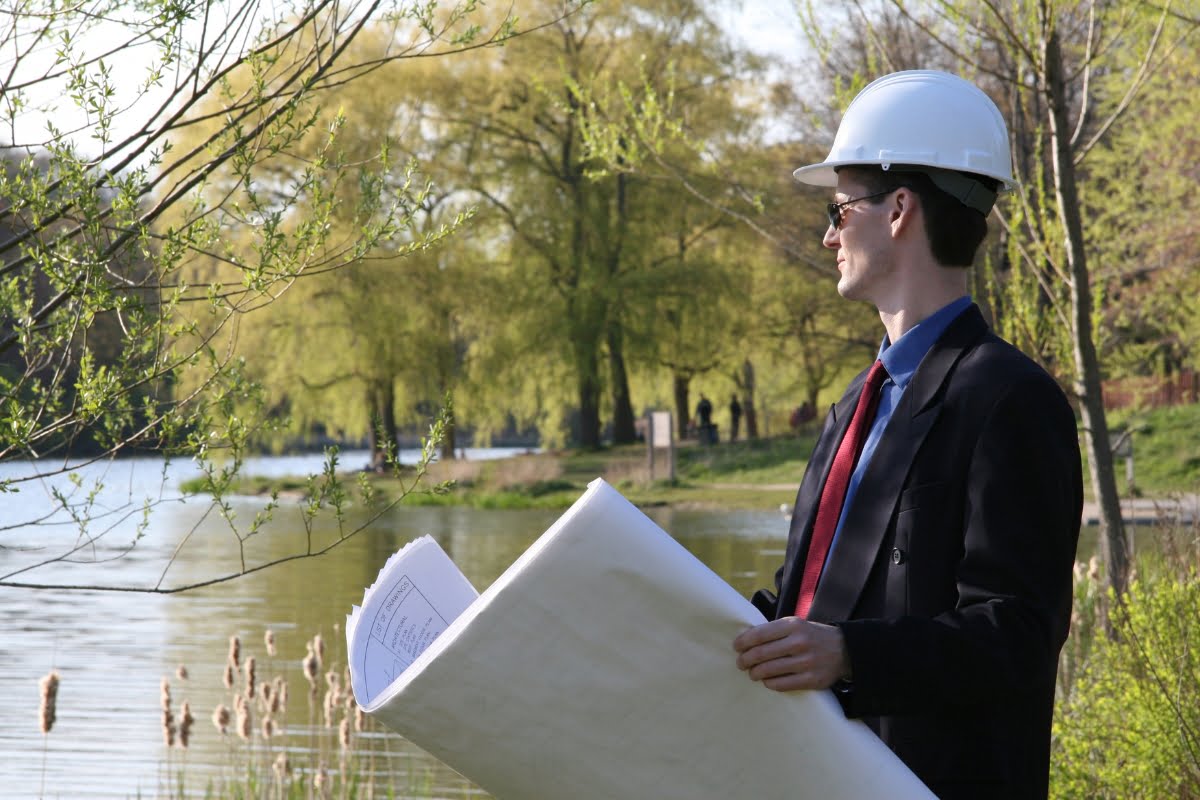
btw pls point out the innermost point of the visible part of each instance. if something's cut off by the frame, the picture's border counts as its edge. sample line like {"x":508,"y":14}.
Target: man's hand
{"x":790,"y":653}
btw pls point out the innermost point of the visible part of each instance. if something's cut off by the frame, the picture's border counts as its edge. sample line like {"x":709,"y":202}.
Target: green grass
{"x":760,"y":474}
{"x":1166,"y":449}
{"x":762,"y":461}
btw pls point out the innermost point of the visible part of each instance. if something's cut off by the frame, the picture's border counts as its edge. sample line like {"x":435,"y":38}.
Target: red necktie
{"x":834,"y":493}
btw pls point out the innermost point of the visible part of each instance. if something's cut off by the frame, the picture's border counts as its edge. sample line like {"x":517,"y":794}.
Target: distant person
{"x":801,"y":415}
{"x":927,"y":576}
{"x":705,"y":429}
{"x":735,"y":417}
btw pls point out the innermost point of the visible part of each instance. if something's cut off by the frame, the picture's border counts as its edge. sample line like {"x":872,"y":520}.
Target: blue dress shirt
{"x":901,"y":360}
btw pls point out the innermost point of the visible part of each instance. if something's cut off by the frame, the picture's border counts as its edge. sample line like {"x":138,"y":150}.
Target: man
{"x":927,"y":576}
{"x":704,"y":425}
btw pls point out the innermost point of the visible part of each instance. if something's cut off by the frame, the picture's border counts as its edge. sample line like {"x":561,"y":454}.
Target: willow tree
{"x":353,"y":353}
{"x":101,"y":211}
{"x":578,"y":256}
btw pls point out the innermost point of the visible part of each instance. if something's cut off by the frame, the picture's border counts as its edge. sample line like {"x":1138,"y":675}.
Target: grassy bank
{"x":753,"y":475}
{"x":1166,"y":449}
{"x":761,"y":474}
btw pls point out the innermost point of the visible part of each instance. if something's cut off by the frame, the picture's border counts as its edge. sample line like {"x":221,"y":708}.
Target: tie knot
{"x":876,"y":376}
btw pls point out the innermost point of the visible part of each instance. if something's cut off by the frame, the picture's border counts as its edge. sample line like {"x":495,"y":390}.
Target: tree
{"x":585,"y":243}
{"x":98,"y":237}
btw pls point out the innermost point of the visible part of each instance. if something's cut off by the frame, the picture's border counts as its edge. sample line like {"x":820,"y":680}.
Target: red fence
{"x":1153,"y":392}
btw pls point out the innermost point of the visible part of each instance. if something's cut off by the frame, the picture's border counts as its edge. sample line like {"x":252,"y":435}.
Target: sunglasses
{"x":835,"y":210}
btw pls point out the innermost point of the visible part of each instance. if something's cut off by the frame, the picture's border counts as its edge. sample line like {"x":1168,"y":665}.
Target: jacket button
{"x":897,"y":556}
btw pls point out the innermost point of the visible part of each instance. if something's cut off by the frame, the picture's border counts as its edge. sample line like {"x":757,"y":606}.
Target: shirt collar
{"x":902,"y":358}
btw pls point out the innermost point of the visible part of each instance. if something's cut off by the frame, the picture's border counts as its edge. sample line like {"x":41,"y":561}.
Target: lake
{"x":112,"y":649}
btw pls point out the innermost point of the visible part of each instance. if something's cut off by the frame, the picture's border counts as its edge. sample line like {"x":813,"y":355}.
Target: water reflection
{"x":112,"y":649}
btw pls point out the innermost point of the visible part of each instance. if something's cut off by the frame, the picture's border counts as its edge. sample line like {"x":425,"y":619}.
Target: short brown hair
{"x":954,"y":230}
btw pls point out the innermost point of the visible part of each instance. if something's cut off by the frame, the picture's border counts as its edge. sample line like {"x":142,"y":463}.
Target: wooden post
{"x":661,"y":436}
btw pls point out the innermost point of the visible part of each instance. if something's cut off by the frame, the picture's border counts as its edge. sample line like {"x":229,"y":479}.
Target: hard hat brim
{"x":822,"y":174}
{"x":825,"y":172}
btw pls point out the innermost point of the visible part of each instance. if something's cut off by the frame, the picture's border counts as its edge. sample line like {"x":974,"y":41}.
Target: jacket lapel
{"x":870,"y":516}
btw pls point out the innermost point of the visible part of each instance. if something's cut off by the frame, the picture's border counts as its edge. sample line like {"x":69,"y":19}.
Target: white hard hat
{"x":922,"y":118}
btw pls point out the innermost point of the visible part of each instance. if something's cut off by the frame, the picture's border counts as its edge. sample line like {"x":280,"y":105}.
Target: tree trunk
{"x":381,"y":395}
{"x":449,"y":446}
{"x":680,"y":382}
{"x":588,"y":383}
{"x":373,"y":440}
{"x":748,"y":408}
{"x":1087,"y":382}
{"x":623,"y":429}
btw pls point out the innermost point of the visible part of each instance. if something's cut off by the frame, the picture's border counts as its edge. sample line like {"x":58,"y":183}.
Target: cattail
{"x":250,"y":666}
{"x":265,"y":693}
{"x":227,"y":679}
{"x":333,"y":697}
{"x":282,"y":767}
{"x":185,"y":724}
{"x":269,"y":641}
{"x":281,"y":694}
{"x":330,"y":707}
{"x":235,"y":651}
{"x":49,"y":705}
{"x":360,"y":719}
{"x":220,"y":718}
{"x":321,"y":782}
{"x":168,"y":726}
{"x":268,"y":727}
{"x":319,"y":649}
{"x":243,"y":718}
{"x":312,"y":667}
{"x":181,"y":672}
{"x":168,"y":719}
{"x":344,"y":733}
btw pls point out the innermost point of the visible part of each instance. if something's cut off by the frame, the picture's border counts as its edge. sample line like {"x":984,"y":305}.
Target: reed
{"x":185,"y":724}
{"x":48,"y":709}
{"x":49,"y":704}
{"x":340,"y":753}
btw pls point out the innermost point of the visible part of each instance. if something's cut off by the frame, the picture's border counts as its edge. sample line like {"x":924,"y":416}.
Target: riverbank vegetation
{"x":761,"y":473}
{"x":1127,"y":714}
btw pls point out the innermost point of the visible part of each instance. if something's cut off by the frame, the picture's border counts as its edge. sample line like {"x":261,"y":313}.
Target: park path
{"x":1183,"y":508}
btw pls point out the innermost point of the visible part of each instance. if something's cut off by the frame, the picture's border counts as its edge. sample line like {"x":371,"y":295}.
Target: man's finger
{"x":761,"y":634}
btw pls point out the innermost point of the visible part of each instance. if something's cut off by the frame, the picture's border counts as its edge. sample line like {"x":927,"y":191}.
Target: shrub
{"x":1130,"y":725}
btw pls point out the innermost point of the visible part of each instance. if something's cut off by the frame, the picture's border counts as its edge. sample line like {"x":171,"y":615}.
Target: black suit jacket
{"x":951,"y":580}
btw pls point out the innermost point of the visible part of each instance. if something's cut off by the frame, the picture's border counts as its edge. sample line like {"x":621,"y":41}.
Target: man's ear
{"x":905,"y":208}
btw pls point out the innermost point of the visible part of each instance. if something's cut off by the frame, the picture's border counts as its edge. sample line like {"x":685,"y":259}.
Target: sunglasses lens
{"x":834,"y":212}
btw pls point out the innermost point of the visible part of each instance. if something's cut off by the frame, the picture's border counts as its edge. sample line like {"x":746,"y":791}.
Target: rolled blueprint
{"x":600,"y":666}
